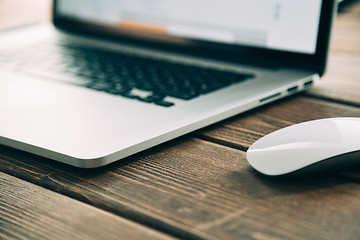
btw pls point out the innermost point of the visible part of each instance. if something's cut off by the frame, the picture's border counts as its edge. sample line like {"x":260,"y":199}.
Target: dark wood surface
{"x":199,"y":186}
{"x":33,"y":212}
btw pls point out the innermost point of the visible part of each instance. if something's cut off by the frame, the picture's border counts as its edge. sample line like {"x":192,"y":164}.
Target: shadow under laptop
{"x":170,"y":157}
{"x":20,"y":163}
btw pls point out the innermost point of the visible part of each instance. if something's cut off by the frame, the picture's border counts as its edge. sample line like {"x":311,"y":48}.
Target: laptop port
{"x":270,"y":97}
{"x":293,"y":89}
{"x":308,"y":84}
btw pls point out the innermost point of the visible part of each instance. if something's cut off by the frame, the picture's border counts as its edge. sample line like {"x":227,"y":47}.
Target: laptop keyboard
{"x":132,"y":76}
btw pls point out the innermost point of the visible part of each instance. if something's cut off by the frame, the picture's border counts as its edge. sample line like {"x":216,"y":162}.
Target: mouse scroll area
{"x":315,"y":145}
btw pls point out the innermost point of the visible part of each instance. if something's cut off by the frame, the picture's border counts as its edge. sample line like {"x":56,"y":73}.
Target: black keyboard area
{"x":123,"y":74}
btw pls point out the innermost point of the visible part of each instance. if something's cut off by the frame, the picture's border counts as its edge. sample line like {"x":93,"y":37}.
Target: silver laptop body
{"x":281,"y":45}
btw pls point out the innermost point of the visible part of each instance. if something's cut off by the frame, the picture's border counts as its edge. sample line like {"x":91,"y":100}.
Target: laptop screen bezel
{"x":315,"y":62}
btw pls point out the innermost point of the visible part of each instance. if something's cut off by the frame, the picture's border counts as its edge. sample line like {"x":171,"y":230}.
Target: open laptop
{"x":110,"y":78}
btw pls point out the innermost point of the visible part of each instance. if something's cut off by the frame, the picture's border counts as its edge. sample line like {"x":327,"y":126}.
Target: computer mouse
{"x":307,"y":147}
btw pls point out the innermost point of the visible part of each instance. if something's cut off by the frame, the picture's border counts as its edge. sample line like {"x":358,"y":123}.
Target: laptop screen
{"x":286,"y":25}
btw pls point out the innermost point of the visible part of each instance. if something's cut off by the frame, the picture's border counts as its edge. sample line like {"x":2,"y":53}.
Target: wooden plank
{"x":28,"y":211}
{"x":341,"y":83}
{"x":241,"y":132}
{"x":346,"y":34}
{"x":196,"y":189}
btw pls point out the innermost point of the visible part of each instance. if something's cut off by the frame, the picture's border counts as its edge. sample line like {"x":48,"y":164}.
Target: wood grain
{"x":241,"y":132}
{"x":199,"y":186}
{"x":200,"y":190}
{"x":28,"y":211}
{"x":346,"y":34}
{"x":341,"y":83}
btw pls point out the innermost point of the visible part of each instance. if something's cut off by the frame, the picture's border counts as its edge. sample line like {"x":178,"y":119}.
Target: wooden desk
{"x":199,"y":186}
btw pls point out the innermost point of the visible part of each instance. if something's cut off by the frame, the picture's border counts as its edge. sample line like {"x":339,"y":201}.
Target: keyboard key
{"x":120,"y":73}
{"x":164,"y":103}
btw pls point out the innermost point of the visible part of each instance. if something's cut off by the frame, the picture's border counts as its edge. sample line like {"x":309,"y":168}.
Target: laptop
{"x":110,"y":78}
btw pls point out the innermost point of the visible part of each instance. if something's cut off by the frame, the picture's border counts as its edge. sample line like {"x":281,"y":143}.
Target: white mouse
{"x":313,"y":145}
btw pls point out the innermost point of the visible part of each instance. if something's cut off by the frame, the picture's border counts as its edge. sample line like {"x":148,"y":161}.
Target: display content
{"x":288,"y":25}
